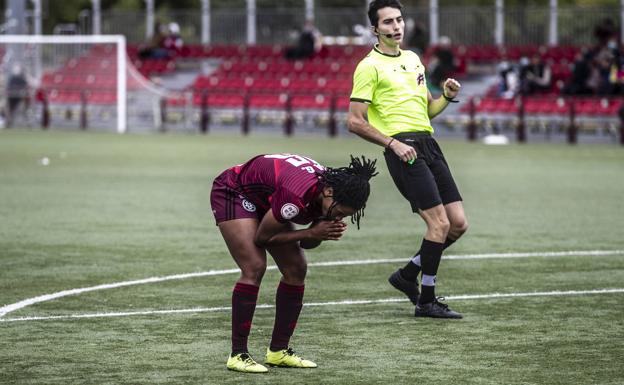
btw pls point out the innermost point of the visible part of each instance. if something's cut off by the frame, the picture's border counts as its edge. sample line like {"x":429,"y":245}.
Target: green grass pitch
{"x":113,"y":208}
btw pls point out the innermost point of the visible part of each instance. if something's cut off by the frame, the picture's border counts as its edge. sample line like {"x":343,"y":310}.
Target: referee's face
{"x":390,"y":27}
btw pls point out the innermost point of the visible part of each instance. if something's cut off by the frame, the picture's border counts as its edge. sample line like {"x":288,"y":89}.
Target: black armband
{"x":450,"y":100}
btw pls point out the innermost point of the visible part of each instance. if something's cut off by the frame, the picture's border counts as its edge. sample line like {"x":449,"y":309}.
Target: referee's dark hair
{"x":350,"y":185}
{"x":376,"y":5}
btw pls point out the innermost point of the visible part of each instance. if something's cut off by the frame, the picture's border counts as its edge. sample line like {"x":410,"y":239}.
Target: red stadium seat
{"x":272,"y":101}
{"x":318,"y":101}
{"x":220,"y":100}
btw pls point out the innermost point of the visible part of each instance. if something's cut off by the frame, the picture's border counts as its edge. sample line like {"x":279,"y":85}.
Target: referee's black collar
{"x":375,"y":47}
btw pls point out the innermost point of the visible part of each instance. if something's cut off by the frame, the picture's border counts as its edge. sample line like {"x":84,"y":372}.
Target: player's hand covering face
{"x":328,"y":230}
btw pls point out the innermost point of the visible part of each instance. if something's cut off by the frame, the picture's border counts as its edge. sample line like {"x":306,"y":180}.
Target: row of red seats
{"x":286,"y":67}
{"x":272,"y":84}
{"x":150,"y":67}
{"x":547,"y":106}
{"x":258,"y":51}
{"x":80,"y":80}
{"x":475,"y":53}
{"x":494,"y":53}
{"x":293,"y":76}
{"x":277,"y":101}
{"x":74,"y":96}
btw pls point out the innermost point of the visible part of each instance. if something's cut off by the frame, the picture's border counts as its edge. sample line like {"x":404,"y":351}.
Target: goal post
{"x":16,"y":56}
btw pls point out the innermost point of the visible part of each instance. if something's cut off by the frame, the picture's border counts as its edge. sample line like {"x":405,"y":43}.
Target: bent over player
{"x":392,"y":107}
{"x":255,"y":206}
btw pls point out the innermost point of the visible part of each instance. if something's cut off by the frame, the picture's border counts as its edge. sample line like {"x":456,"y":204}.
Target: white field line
{"x":48,"y":297}
{"x":317,"y":304}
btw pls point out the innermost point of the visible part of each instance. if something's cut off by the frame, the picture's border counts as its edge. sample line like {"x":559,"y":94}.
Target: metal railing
{"x":463,"y":24}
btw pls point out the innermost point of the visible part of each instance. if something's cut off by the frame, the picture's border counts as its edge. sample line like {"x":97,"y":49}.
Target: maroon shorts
{"x":228,"y":204}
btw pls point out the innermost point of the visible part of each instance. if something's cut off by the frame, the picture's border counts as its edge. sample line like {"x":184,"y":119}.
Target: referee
{"x":392,"y":107}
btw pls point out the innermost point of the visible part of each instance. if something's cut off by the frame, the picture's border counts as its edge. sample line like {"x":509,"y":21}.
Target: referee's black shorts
{"x":428,"y":181}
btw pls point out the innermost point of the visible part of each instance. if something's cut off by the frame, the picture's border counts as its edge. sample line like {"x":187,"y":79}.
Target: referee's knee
{"x":458,"y":228}
{"x":440,"y":228}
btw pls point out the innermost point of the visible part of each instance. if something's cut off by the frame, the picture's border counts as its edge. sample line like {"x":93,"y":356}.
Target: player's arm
{"x":272,"y":232}
{"x":358,"y":124}
{"x":449,"y":91}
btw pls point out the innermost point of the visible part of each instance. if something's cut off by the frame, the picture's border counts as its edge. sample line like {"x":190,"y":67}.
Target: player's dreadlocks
{"x":350,"y":185}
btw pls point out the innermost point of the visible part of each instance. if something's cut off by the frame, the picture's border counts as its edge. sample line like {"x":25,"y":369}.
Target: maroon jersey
{"x":286,"y":184}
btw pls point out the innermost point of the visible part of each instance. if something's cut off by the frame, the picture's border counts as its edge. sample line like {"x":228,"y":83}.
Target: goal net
{"x":75,"y":81}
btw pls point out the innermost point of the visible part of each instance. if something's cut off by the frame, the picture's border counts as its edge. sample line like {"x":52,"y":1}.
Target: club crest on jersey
{"x":420,"y":79}
{"x":249,"y":206}
{"x":289,"y":211}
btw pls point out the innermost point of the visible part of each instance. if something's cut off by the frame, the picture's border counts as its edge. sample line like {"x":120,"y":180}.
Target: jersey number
{"x":297,"y":160}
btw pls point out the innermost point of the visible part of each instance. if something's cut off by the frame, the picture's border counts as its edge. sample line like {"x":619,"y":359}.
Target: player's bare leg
{"x":292,"y":263}
{"x":239,"y":235}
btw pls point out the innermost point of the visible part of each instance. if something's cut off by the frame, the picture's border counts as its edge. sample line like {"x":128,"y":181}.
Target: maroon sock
{"x":244,"y":298}
{"x":288,"y":304}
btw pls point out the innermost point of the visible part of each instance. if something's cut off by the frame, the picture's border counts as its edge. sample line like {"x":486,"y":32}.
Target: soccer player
{"x":256,"y":205}
{"x":392,"y":107}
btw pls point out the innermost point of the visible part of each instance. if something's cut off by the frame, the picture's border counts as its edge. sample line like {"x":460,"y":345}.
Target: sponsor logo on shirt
{"x":289,"y":211}
{"x":249,"y":206}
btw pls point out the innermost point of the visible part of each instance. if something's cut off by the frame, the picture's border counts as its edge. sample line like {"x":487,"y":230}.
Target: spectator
{"x":615,"y":72}
{"x":535,"y":76}
{"x":442,"y":64}
{"x":509,"y":82}
{"x":173,"y":42}
{"x":155,"y":48}
{"x":616,"y":75}
{"x":605,"y":31}
{"x":309,"y":43}
{"x":577,"y":84}
{"x":18,"y":94}
{"x":602,"y":63}
{"x":598,"y":70}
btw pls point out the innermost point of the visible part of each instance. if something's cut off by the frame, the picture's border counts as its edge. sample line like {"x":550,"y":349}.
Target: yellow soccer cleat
{"x":287,"y":358}
{"x":243,"y":362}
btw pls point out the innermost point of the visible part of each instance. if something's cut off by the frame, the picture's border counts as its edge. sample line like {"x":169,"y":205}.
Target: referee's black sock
{"x":448,"y":242}
{"x":411,"y":270}
{"x":430,"y":255}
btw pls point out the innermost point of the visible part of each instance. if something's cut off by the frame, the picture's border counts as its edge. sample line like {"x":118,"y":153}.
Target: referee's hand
{"x":403,"y":151}
{"x":451,"y":88}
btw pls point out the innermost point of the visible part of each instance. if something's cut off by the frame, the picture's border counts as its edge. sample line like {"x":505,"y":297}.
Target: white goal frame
{"x":118,"y":40}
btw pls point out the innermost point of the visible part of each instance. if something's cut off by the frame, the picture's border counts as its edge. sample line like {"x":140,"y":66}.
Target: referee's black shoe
{"x":435,"y":309}
{"x":409,"y":288}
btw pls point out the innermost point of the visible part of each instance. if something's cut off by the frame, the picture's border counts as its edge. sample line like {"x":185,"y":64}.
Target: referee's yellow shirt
{"x":395,"y":89}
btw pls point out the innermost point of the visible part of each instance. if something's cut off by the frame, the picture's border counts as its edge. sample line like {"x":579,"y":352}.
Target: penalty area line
{"x":346,"y":302}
